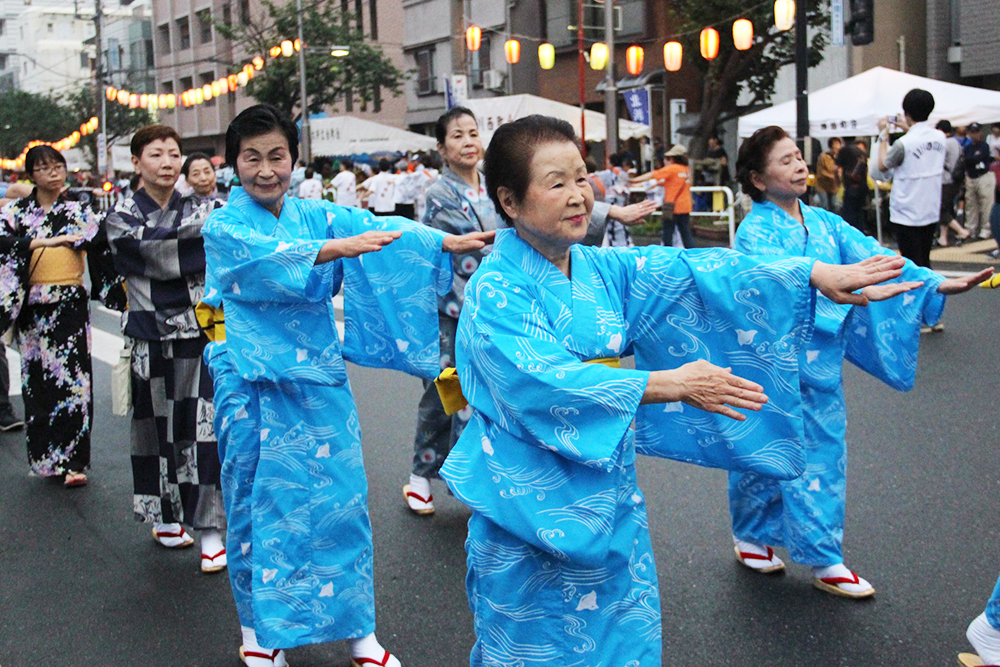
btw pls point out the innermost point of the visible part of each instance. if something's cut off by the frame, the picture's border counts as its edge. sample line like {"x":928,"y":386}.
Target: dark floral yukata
{"x":52,"y":327}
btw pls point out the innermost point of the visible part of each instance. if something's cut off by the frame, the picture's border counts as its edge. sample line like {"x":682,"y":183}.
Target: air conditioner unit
{"x":493,"y":79}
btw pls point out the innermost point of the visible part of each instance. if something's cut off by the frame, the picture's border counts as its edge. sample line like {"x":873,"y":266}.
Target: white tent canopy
{"x":347,"y":135}
{"x":853,"y":106}
{"x":492,"y":112}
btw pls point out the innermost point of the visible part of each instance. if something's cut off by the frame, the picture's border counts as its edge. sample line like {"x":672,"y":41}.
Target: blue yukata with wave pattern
{"x":560,"y":564}
{"x":299,"y":539}
{"x":806,"y":515}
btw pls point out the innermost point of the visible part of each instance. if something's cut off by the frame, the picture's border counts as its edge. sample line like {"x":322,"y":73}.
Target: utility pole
{"x":802,"y":80}
{"x":306,"y":138}
{"x":581,"y":71}
{"x":610,"y":91}
{"x":102,"y":100}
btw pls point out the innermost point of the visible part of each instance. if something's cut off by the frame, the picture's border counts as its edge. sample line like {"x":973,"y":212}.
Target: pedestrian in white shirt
{"x":993,"y":141}
{"x":311,"y":187}
{"x":381,"y":189}
{"x":345,"y":185}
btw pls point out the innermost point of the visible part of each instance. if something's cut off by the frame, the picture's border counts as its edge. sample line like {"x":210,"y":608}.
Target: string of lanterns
{"x":67,"y":142}
{"x":221,"y":86}
{"x":673,"y":51}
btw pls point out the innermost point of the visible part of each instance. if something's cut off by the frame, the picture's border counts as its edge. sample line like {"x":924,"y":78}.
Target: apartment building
{"x":963,"y":41}
{"x":190,"y":52}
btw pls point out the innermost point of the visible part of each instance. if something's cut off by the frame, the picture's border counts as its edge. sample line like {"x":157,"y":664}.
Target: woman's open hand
{"x":838,"y":282}
{"x":466,"y":242}
{"x":959,"y":285}
{"x":707,"y":387}
{"x":352,"y":246}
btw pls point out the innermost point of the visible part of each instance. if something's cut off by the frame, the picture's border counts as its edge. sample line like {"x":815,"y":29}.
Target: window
{"x":227,"y":14}
{"x":205,"y":25}
{"x":84,"y":60}
{"x":207,"y":77}
{"x":481,"y":60}
{"x":3,"y":61}
{"x":426,"y":81}
{"x":3,"y":25}
{"x":183,"y":34}
{"x":245,"y":12}
{"x":560,"y":14}
{"x":163,"y":38}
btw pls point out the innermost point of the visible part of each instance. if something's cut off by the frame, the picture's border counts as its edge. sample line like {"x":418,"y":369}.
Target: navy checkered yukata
{"x":175,"y":458}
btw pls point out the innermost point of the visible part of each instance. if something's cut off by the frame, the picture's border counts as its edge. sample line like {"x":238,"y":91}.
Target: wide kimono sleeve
{"x":521,"y":378}
{"x":158,"y":252}
{"x":736,"y":312}
{"x":107,"y":285}
{"x":391,"y":296}
{"x":15,"y":262}
{"x":279,"y":311}
{"x":883,"y":339}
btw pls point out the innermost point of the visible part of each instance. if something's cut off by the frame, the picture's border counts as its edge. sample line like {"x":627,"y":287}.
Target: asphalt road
{"x":82,"y":584}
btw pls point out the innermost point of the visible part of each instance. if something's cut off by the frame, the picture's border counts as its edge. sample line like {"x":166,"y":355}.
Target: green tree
{"x":734,"y":72}
{"x":122,"y":121}
{"x":359,"y":78}
{"x":26,"y":117}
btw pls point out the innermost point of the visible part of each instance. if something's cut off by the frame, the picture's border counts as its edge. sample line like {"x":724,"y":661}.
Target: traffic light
{"x":862,"y":22}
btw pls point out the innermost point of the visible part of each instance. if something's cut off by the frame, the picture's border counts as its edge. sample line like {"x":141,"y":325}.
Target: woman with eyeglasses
{"x":44,"y":238}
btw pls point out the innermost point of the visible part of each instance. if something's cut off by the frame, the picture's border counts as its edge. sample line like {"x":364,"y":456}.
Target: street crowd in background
{"x":183,"y":242}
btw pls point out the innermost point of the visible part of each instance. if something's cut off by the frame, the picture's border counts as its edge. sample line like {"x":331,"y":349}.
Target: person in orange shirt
{"x":676,"y":183}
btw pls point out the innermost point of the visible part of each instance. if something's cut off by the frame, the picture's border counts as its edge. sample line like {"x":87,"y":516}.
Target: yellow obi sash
{"x":212,"y":321}
{"x":56,"y":266}
{"x":450,"y":390}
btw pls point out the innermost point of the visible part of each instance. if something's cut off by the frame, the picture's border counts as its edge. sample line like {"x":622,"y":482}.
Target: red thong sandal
{"x":744,"y":556}
{"x":216,"y":563}
{"x":272,"y":656}
{"x":972,"y":660}
{"x":832,"y":585}
{"x":185,"y":539}
{"x":388,"y":660}
{"x":417,"y":503}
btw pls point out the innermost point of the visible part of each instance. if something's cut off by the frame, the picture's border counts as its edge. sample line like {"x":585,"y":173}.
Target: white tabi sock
{"x":368,"y":648}
{"x":211,"y":542}
{"x":840,"y":570}
{"x":250,"y":645}
{"x":172,"y":529}
{"x":985,"y":639}
{"x":420,"y":486}
{"x":756,"y":549}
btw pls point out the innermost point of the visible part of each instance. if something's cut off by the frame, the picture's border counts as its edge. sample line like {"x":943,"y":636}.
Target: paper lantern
{"x":143,"y":101}
{"x":287,"y":48}
{"x":742,"y":34}
{"x":242,"y":79}
{"x":216,"y":89}
{"x":152,"y":102}
{"x":473,"y":37}
{"x":709,"y":42}
{"x":161,"y":101}
{"x":297,"y":44}
{"x":598,"y":55}
{"x":206,"y":91}
{"x":634,"y":58}
{"x":275,"y":51}
{"x":233,"y":82}
{"x":111,"y":93}
{"x":512,"y":51}
{"x":199,"y":95}
{"x":784,"y":14}
{"x":75,"y":137}
{"x":673,"y":54}
{"x":133,"y":101}
{"x":93,"y":123}
{"x":171,"y":101}
{"x":340,"y":52}
{"x":123,"y":97}
{"x":546,"y":55}
{"x":258,"y":63}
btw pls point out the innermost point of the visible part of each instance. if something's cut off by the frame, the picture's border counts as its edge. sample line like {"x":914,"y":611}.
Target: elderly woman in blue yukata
{"x":293,"y":479}
{"x":458,"y":204}
{"x":560,"y":564}
{"x":806,"y":515}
